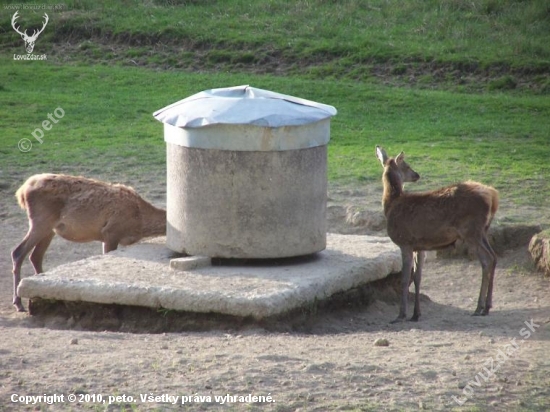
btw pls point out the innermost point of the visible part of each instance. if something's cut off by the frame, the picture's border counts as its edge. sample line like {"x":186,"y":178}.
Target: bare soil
{"x":321,"y":358}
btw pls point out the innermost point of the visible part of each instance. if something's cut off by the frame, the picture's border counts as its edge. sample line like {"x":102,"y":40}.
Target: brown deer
{"x":417,"y":222}
{"x":80,"y":210}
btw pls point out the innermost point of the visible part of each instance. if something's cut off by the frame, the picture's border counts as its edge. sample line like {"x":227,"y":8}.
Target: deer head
{"x":405,"y":172}
{"x":29,"y":40}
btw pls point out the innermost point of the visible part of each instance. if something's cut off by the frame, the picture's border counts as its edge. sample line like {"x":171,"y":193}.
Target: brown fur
{"x":417,"y":222}
{"x":81,"y":210}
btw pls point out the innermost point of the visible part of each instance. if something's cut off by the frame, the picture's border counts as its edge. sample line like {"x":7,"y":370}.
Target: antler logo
{"x":29,"y":40}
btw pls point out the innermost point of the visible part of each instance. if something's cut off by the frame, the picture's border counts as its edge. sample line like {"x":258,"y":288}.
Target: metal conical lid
{"x":243,"y":105}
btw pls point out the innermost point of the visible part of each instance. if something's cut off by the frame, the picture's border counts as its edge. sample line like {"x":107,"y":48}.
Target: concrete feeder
{"x":246,"y":173}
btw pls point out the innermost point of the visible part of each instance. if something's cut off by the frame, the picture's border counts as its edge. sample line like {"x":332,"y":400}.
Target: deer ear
{"x":400,"y":157}
{"x":381,"y":154}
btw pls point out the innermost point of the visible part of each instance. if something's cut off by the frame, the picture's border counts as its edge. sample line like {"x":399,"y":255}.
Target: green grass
{"x":475,"y":105}
{"x":108,"y":127}
{"x":413,"y":40}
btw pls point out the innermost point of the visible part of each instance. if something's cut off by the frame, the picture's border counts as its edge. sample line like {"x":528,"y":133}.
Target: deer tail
{"x":494,"y":202}
{"x":21,"y":197}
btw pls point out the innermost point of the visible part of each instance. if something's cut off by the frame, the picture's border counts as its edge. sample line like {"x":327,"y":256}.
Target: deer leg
{"x":487,"y":259}
{"x":31,"y":239}
{"x":113,"y":231}
{"x":37,"y":255}
{"x":415,"y":257}
{"x":109,"y":243}
{"x":109,"y":246}
{"x":407,"y":261}
{"x":489,"y":302}
{"x":417,"y":277}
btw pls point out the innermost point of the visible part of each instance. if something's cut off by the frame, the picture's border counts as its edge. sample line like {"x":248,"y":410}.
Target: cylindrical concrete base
{"x":246,"y":204}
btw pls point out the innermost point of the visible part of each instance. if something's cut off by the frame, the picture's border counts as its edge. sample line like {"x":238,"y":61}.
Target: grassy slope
{"x":323,"y":47}
{"x":428,"y":40}
{"x":493,"y":137}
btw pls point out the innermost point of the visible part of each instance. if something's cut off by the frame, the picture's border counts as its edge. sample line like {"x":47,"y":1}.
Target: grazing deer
{"x":417,"y":222}
{"x":80,"y":210}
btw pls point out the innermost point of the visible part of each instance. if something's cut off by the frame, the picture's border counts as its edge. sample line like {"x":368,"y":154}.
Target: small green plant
{"x":165,"y":312}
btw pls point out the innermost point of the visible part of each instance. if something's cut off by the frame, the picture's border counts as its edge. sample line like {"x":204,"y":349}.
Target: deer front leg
{"x":109,"y":246}
{"x":417,"y":277}
{"x":110,"y":238}
{"x":18,"y":255}
{"x":407,"y":261}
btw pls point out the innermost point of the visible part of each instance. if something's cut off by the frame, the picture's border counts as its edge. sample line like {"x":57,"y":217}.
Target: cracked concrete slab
{"x":141,"y":275}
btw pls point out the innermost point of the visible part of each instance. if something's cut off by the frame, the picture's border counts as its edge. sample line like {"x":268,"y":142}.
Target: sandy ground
{"x":447,"y":361}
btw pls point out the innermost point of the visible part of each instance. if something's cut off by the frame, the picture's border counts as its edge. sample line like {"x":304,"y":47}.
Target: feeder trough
{"x":246,"y":174}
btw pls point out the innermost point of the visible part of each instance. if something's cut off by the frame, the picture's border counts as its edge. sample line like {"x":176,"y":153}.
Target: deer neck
{"x":153,"y":220}
{"x":393,"y":188}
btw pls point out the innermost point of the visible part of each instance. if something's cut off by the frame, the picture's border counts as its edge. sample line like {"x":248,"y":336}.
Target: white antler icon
{"x":29,"y":40}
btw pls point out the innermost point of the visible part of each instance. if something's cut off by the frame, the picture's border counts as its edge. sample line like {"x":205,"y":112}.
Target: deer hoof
{"x":414,"y":318}
{"x":19,"y":307}
{"x":399,"y":319}
{"x":481,"y":312}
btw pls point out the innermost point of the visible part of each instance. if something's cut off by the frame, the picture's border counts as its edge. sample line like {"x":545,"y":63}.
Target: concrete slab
{"x":141,"y":275}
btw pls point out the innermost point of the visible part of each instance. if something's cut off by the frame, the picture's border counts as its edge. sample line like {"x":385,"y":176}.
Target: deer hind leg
{"x":37,"y":255}
{"x":492,"y":267}
{"x":30,"y":241}
{"x":407,"y":261}
{"x":488,"y":260}
{"x":419,"y":258}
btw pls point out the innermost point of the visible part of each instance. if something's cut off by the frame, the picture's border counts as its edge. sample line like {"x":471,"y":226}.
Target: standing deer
{"x":29,"y":40}
{"x":417,"y":222}
{"x":80,"y":210}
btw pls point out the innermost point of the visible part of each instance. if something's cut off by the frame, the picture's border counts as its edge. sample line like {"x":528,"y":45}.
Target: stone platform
{"x":141,"y":275}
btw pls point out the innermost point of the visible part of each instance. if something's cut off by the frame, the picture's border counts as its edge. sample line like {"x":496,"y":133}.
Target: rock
{"x":511,"y":236}
{"x":539,"y":248}
{"x":74,"y":341}
{"x":381,"y":342}
{"x":190,"y":262}
{"x":367,"y":219}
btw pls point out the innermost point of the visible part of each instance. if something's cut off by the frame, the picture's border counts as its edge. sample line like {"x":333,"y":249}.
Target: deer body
{"x":80,"y":210}
{"x":417,"y":222}
{"x":434,"y":220}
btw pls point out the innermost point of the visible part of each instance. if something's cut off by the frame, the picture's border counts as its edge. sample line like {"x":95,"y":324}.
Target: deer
{"x":408,"y":175}
{"x":29,"y":40}
{"x":422,"y":221}
{"x":81,"y":210}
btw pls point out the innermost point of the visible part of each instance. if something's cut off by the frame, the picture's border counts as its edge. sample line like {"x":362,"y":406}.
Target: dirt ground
{"x":326,"y":361}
